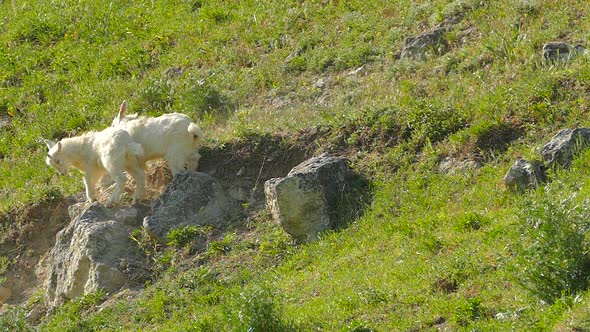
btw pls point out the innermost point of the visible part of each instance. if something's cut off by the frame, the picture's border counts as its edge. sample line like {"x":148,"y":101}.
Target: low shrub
{"x":554,"y":259}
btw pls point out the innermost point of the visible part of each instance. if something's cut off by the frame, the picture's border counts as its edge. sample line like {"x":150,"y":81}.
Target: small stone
{"x":562,"y":148}
{"x":34,"y":315}
{"x":561,"y":52}
{"x":419,"y":46}
{"x":241,"y":171}
{"x":320,"y":84}
{"x":452,"y":166}
{"x":524,"y":175}
{"x":359,"y":70}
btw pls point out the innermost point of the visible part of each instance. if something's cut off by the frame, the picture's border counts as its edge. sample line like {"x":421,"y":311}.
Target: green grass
{"x":431,"y":251}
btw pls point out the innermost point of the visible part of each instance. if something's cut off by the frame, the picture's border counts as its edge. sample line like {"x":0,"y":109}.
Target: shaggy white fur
{"x":111,"y":151}
{"x":173,"y":137}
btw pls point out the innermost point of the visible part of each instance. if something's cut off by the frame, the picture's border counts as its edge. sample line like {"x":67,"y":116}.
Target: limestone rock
{"x":417,"y":47}
{"x":524,"y":175}
{"x":453,"y":166}
{"x":93,"y":252}
{"x":191,"y":199}
{"x":34,"y":315}
{"x":561,"y":52}
{"x":5,"y":122}
{"x":560,"y":150}
{"x":304,"y":202}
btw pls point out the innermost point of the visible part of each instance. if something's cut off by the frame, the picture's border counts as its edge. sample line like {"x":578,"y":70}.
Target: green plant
{"x":468,"y":311}
{"x":555,"y":260}
{"x":431,"y":122}
{"x":181,"y":237}
{"x":71,"y":316}
{"x":156,"y":96}
{"x":200,"y":96}
{"x":222,"y":246}
{"x":145,"y":241}
{"x":5,"y":263}
{"x":472,"y":221}
{"x":14,"y":320}
{"x":258,"y":311}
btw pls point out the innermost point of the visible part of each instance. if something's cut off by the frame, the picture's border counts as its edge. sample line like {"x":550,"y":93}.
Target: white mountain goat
{"x":111,"y":151}
{"x":173,"y":137}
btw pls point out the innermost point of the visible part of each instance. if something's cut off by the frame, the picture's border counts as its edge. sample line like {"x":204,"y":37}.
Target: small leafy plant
{"x":555,"y":258}
{"x":184,"y":236}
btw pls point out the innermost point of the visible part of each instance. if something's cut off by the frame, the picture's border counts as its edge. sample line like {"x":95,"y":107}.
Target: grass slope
{"x":433,"y":251}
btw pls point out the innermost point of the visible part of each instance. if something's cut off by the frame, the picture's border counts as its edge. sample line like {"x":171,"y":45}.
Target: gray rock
{"x":453,"y":166}
{"x":561,"y":149}
{"x":93,"y":252}
{"x":320,"y":84}
{"x":417,"y":47}
{"x":561,"y":52}
{"x":34,"y":315}
{"x":358,"y":71}
{"x":524,"y":175}
{"x":5,"y":122}
{"x":304,"y":202}
{"x":191,"y":199}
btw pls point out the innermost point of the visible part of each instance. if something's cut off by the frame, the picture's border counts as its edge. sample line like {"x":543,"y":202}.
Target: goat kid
{"x":111,"y":151}
{"x":173,"y":137}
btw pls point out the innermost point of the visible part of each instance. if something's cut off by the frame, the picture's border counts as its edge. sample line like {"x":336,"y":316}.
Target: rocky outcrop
{"x":191,"y":199}
{"x":417,"y":47}
{"x":87,"y":247}
{"x":305,"y":202}
{"x":94,"y":252}
{"x":561,"y":149}
{"x":525,"y":175}
{"x":562,"y":52}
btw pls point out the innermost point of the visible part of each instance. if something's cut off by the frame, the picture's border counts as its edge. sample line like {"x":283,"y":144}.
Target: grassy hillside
{"x":433,"y":251}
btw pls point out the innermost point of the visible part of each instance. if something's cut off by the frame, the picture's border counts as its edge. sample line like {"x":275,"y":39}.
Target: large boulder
{"x":524,"y":175}
{"x":191,"y":199}
{"x":419,"y":46}
{"x":305,"y":202}
{"x":94,"y":252}
{"x":561,"y":149}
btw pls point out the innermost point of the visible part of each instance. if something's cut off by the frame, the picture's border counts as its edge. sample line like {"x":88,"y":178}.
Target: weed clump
{"x":555,"y":259}
{"x":259,"y":312}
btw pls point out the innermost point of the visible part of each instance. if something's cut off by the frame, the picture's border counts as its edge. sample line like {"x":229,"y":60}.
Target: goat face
{"x":53,"y":158}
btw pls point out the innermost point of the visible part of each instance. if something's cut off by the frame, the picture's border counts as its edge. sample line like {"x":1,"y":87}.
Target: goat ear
{"x":58,"y":146}
{"x":122,"y":109}
{"x":49,"y":143}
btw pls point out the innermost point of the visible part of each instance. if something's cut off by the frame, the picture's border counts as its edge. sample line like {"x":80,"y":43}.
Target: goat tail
{"x":196,"y":132}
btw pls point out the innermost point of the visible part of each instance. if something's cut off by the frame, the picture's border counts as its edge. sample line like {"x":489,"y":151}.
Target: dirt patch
{"x":446,"y":285}
{"x":157,"y":177}
{"x":244,"y":165}
{"x":31,"y":234}
{"x":498,"y":137}
{"x":489,"y":141}
{"x":356,"y":137}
